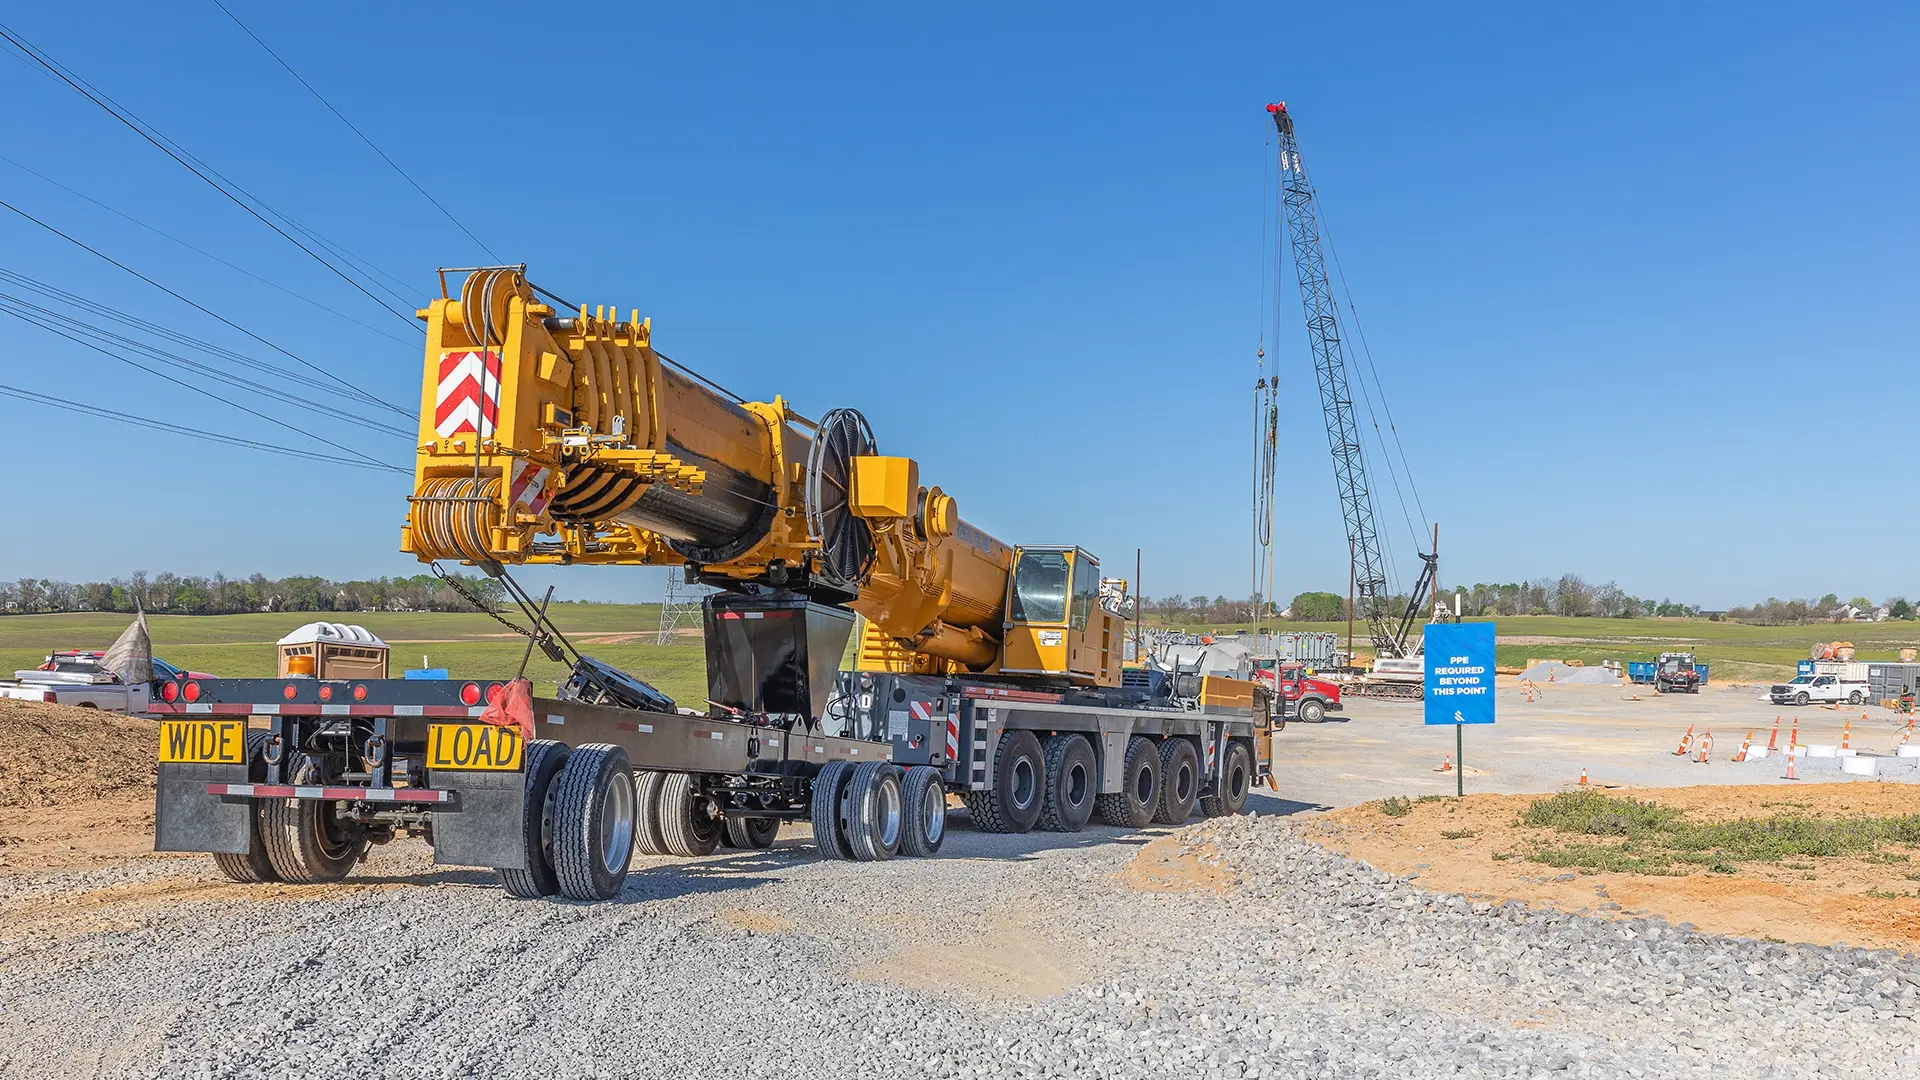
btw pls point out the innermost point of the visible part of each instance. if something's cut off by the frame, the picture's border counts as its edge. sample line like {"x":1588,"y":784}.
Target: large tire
{"x":752,"y":833}
{"x":593,"y":822}
{"x":1073,"y":781}
{"x":254,"y":866}
{"x":1179,"y":781}
{"x":1019,"y":786}
{"x":1800,"y":698}
{"x":829,"y":788}
{"x":876,"y":811}
{"x":1852,"y":699}
{"x":926,"y":804}
{"x":647,"y":837}
{"x":1312,"y":711}
{"x":687,"y":824}
{"x":306,"y":843}
{"x":542,"y":759}
{"x":1235,"y":783}
{"x":1133,"y":805}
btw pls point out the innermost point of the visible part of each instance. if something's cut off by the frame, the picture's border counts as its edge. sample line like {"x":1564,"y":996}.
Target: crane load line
{"x":452,"y":517}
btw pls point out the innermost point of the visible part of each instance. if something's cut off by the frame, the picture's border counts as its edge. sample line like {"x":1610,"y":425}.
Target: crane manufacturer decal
{"x":468,"y":397}
{"x":529,"y":486}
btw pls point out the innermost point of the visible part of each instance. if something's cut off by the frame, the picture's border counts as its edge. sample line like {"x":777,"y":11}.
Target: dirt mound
{"x":55,"y":756}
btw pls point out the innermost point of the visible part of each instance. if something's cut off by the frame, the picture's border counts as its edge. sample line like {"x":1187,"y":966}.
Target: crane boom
{"x":1302,"y":214}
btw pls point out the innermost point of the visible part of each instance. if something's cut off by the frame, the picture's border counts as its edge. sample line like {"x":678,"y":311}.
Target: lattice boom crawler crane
{"x":562,"y":436}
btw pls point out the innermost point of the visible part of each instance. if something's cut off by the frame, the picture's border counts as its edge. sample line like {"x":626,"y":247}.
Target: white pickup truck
{"x":1818,"y":690}
{"x":95,"y":689}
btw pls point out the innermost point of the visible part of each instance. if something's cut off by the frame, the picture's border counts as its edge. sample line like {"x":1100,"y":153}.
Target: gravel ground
{"x":1006,"y":956}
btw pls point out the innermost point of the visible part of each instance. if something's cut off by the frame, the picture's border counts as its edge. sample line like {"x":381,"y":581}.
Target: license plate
{"x":203,"y":742}
{"x":472,"y":746}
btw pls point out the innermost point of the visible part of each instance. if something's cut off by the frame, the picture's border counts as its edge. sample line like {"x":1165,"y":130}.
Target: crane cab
{"x":1055,"y":623}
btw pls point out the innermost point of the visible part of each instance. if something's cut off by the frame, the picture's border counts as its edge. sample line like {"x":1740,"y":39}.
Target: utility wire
{"x":349,"y":387}
{"x":302,"y":297}
{"x":147,"y":422}
{"x":152,"y":135}
{"x":54,"y":329}
{"x":351,"y":127}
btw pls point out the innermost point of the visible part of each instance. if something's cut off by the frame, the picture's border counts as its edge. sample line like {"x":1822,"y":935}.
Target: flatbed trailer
{"x":292,"y":779}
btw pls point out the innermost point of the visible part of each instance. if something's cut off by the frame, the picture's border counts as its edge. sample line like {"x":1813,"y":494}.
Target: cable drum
{"x":846,"y":540}
{"x":453,"y":516}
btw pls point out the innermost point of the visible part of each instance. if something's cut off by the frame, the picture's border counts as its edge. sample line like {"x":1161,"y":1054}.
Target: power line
{"x":193,"y":433}
{"x":202,"y":391}
{"x":166,"y":146}
{"x":351,"y":127}
{"x":349,"y":387}
{"x":302,"y":297}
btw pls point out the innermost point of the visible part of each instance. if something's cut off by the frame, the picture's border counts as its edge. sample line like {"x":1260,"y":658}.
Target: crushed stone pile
{"x":1558,"y":673}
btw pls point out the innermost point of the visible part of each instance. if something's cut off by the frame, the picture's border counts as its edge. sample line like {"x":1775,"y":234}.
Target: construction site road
{"x":1232,"y":948}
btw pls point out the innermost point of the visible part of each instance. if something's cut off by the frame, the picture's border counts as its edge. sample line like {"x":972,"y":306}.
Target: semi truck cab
{"x":1300,"y":695}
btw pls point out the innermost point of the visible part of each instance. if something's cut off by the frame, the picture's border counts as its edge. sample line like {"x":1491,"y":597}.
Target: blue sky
{"x":1630,"y":276}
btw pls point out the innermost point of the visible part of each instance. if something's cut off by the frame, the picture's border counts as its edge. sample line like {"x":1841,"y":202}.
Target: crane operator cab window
{"x":1055,"y":624}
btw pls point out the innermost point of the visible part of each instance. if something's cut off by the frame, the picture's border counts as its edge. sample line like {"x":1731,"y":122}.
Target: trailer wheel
{"x":876,"y":811}
{"x":1072,"y":783}
{"x":1019,"y":787}
{"x":752,"y":833}
{"x":254,"y":866}
{"x":926,"y":809}
{"x":1236,"y":782}
{"x":593,"y":819}
{"x":1133,"y":805}
{"x":1312,"y":711}
{"x":829,"y":785}
{"x":647,"y":836}
{"x":306,"y":841}
{"x":1179,"y":781}
{"x":543,"y":758}
{"x":687,"y":824}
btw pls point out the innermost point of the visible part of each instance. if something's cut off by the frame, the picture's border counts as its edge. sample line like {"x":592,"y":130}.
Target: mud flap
{"x":484,"y":830}
{"x":186,"y":818}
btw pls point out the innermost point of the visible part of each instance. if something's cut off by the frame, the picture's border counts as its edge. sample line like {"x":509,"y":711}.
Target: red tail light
{"x":50,"y":697}
{"x":494,"y":692}
{"x":288,"y":691}
{"x":470,"y":693}
{"x":169,"y":691}
{"x":326,"y":693}
{"x":191,"y":691}
{"x":359,"y":693}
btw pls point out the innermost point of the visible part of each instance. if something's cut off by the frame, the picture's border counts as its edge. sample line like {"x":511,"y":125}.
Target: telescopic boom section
{"x":1336,"y":402}
{"x":551,"y":436}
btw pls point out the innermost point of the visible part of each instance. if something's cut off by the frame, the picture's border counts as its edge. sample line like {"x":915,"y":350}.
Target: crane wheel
{"x":926,"y":806}
{"x":593,"y":819}
{"x":829,"y":791}
{"x":253,"y":866}
{"x":1133,"y":805}
{"x":306,"y":841}
{"x":543,"y":758}
{"x":687,"y":824}
{"x":647,"y":837}
{"x":1019,"y":786}
{"x":876,"y":811}
{"x":1230,"y":791}
{"x":1072,"y":783}
{"x":752,"y":833}
{"x":1179,"y":781}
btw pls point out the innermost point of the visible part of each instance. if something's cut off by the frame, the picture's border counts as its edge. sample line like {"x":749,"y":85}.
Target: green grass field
{"x":475,"y":646}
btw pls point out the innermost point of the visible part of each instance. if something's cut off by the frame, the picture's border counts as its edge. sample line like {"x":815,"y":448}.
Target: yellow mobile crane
{"x":551,"y":434}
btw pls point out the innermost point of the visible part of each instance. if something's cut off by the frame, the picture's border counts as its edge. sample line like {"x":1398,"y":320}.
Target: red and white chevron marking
{"x":529,"y":487}
{"x":468,"y":397}
{"x":953,"y":737}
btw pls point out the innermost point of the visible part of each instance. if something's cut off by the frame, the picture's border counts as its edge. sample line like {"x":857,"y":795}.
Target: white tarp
{"x":131,"y":655}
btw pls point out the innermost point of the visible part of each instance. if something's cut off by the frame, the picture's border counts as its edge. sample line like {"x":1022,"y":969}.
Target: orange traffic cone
{"x":1909,"y":733}
{"x":1791,"y":774}
{"x":1745,"y":745}
{"x":1583,"y":777}
{"x":1686,"y":743}
{"x":1773,"y":740}
{"x":1846,"y":735}
{"x":1793,"y":740}
{"x":1446,"y":764}
{"x":1706,"y":747}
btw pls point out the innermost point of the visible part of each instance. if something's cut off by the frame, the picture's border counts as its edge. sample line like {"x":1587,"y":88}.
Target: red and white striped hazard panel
{"x":529,"y":487}
{"x":468,"y":398}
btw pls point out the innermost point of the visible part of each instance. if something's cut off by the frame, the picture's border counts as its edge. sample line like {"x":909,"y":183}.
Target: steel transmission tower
{"x":680,"y":605}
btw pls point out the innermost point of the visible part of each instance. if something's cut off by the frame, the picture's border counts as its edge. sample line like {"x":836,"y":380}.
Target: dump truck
{"x":558,"y":436}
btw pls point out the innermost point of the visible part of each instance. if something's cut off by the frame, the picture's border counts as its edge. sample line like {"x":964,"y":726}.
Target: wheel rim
{"x":933,"y":817}
{"x":1183,"y":782}
{"x":1023,"y":783}
{"x":616,"y":822}
{"x":335,"y":842}
{"x":887,"y":815}
{"x":1143,"y":786}
{"x":1076,"y":784}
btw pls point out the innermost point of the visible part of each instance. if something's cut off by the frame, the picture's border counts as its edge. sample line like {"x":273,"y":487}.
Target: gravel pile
{"x":778,"y":964}
{"x":1566,"y":674}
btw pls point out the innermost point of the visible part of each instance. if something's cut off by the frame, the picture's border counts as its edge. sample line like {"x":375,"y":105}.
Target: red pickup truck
{"x":1301,"y":696}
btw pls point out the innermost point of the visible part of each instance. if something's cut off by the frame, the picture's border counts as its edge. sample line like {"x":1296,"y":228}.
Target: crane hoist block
{"x":884,"y":487}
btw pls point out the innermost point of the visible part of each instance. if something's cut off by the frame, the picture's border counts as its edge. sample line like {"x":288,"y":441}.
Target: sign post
{"x":1459,"y":683}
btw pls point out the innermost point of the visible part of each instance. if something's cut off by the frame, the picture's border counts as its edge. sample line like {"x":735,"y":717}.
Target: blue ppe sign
{"x":1459,"y":673}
